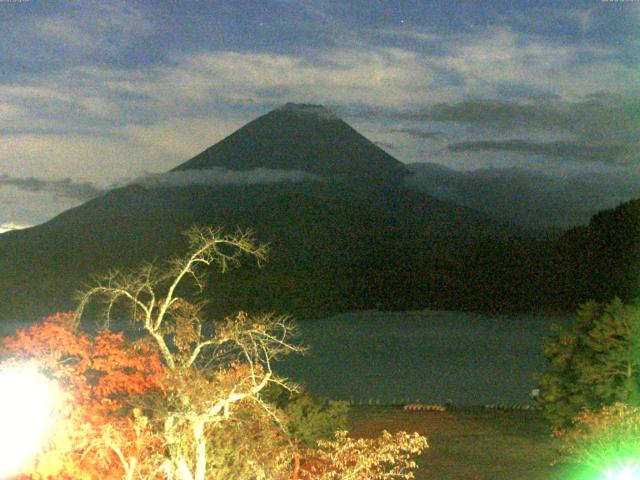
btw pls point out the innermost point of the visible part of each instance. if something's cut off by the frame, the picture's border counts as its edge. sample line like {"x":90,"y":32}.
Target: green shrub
{"x":592,"y":363}
{"x":312,"y":419}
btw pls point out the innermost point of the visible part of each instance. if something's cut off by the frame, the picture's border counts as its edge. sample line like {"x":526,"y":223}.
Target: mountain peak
{"x":300,"y":137}
{"x":308,"y":109}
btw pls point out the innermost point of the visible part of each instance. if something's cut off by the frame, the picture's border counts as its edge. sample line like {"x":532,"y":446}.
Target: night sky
{"x":96,"y":93}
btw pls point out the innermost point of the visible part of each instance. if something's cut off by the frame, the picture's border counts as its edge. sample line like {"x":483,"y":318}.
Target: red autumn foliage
{"x":104,"y":370}
{"x":100,"y":374}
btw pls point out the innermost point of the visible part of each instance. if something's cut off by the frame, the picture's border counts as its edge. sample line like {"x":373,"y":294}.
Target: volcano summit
{"x":300,"y":137}
{"x":344,"y":232}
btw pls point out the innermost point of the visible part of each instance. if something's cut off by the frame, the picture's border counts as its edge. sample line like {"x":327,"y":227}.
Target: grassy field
{"x":472,"y":444}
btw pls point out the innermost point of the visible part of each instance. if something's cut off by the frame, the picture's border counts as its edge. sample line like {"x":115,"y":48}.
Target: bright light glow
{"x":626,"y":473}
{"x":27,"y":402}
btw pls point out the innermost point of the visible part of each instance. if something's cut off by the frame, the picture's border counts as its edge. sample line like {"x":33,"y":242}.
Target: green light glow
{"x":606,"y":442}
{"x":625,"y":473}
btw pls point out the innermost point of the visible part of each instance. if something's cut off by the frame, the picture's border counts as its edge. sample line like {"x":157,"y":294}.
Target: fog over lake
{"x":426,"y":356}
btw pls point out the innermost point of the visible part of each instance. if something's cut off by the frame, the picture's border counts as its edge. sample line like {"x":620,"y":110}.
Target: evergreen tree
{"x":592,"y":363}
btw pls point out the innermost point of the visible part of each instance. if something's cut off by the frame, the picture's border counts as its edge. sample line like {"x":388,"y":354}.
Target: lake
{"x":426,"y":356}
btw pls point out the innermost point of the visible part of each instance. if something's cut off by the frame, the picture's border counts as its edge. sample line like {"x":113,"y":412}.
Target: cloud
{"x":22,"y":207}
{"x":411,"y":34}
{"x":105,"y":123}
{"x":8,"y":226}
{"x":500,"y":55}
{"x":106,"y":98}
{"x":122,"y":18}
{"x":83,"y":28}
{"x":598,"y":115}
{"x":223,"y":176}
{"x":63,"y":188}
{"x":525,"y":196}
{"x":120,"y":96}
{"x":177,"y":138}
{"x":83,"y":191}
{"x":583,"y":17}
{"x":375,"y":76}
{"x":214,"y":91}
{"x":304,"y":110}
{"x":357,"y":73}
{"x":388,"y":145}
{"x":501,"y":114}
{"x":423,"y":134}
{"x":99,"y":158}
{"x":598,"y":128}
{"x":605,"y":153}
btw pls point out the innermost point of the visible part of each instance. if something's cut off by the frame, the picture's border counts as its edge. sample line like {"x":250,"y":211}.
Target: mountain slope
{"x":356,"y":241}
{"x":330,"y":251}
{"x":300,"y":137}
{"x":527,"y":197}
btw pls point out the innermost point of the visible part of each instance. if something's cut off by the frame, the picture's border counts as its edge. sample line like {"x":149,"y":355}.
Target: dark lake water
{"x":426,"y":356}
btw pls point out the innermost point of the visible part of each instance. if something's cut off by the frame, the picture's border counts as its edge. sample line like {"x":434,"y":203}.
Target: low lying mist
{"x":223,"y":176}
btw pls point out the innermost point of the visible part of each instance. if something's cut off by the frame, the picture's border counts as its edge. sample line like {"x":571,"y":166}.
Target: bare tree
{"x":212,"y":367}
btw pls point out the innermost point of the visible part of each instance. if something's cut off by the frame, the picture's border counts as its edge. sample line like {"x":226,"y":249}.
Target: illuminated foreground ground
{"x":472,"y":444}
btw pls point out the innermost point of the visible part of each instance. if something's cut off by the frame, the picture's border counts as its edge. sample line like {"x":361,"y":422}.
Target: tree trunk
{"x":201,"y":450}
{"x":296,"y":466}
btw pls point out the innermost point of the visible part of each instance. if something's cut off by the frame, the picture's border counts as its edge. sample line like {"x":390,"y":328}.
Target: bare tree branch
{"x":209,"y":370}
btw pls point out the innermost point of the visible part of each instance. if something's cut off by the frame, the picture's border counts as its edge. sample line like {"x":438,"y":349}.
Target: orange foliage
{"x":98,"y":375}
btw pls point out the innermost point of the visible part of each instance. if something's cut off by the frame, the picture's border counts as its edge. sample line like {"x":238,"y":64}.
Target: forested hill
{"x":602,"y":259}
{"x":597,"y":261}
